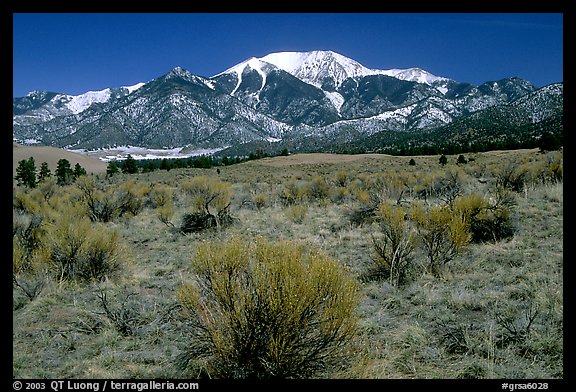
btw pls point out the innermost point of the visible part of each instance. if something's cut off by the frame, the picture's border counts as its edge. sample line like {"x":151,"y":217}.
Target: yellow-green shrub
{"x":488,"y":221}
{"x":268,"y":310}
{"x":207,"y":193}
{"x":27,"y":232}
{"x":76,"y":249}
{"x":208,"y":204}
{"x":292,"y":192}
{"x":100,"y":206}
{"x":296,"y":213}
{"x":260,"y":200}
{"x":393,"y":245}
{"x":160,"y":196}
{"x":130,"y":197}
{"x":26,"y":202}
{"x":342,"y":178}
{"x":317,"y":188}
{"x":443,"y":234}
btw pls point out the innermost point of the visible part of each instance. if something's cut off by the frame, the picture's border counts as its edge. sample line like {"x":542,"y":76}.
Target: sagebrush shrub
{"x":489,"y":220}
{"x":393,"y":246}
{"x":101,"y":206}
{"x":208,"y":194}
{"x":296,"y":213}
{"x":131,"y":196}
{"x":341,"y":178}
{"x":317,"y":188}
{"x":27,"y":232}
{"x":511,"y":176}
{"x":25,"y":202}
{"x":292,"y":192}
{"x":365,"y":208}
{"x":443,"y":233}
{"x":75,"y":249}
{"x":267,"y":310}
{"x":260,"y":200}
{"x":209,"y":204}
{"x":160,"y":196}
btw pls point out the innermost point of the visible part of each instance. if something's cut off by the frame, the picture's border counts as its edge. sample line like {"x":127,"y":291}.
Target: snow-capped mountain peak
{"x":412,"y":75}
{"x":286,"y":95}
{"x":326,"y":68}
{"x":79,"y":103}
{"x":259,"y":65}
{"x":262,"y":67}
{"x":316,"y":67}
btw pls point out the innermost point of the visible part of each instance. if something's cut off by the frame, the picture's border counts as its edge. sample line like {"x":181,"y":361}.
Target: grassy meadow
{"x":490,"y":308}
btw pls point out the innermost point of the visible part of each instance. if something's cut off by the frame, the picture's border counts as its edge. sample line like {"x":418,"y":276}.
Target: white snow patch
{"x":336,"y":98}
{"x":79,"y":103}
{"x":26,"y":141}
{"x":403,"y":112}
{"x":122,"y":152}
{"x":133,"y":88}
{"x":239,"y":77}
{"x":411,"y":75}
{"x":312,"y":67}
{"x":288,"y":61}
{"x":443,"y":90}
{"x":209,"y":83}
{"x":256,"y":65}
{"x":273,"y":140}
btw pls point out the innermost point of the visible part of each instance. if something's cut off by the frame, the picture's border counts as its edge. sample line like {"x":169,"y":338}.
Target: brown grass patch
{"x":52,"y":155}
{"x":315,"y":158}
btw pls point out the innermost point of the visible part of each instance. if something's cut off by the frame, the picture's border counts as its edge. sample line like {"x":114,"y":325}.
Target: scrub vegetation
{"x":296,"y":266}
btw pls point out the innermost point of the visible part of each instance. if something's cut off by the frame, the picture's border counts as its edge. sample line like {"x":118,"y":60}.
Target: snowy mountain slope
{"x":175,"y":110}
{"x":350,"y":89}
{"x":277,"y":93}
{"x":328,"y":69}
{"x":324,"y":69}
{"x":40,"y":106}
{"x":286,"y":96}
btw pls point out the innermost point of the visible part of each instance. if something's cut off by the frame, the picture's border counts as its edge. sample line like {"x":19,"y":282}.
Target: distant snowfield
{"x":122,"y":152}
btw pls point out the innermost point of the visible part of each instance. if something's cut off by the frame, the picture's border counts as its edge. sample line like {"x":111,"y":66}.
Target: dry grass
{"x":52,"y":155}
{"x":456,"y":326}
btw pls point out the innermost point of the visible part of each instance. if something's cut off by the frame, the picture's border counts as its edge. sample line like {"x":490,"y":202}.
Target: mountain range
{"x":305,"y":100}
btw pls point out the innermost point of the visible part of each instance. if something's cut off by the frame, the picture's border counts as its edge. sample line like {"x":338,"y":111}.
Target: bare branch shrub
{"x":393,"y":248}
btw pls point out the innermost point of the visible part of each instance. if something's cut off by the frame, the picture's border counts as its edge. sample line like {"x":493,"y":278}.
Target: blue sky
{"x":77,"y":52}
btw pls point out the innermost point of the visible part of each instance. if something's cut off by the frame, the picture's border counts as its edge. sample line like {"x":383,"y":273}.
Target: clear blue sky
{"x":78,"y":52}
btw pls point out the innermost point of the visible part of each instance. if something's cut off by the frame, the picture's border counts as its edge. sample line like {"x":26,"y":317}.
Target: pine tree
{"x":548,"y":142}
{"x":112,"y":169}
{"x":165,"y":165}
{"x":79,"y":171}
{"x":64,"y":173}
{"x":44,"y":172}
{"x":443,"y":160}
{"x":26,"y":173}
{"x":130,"y":165}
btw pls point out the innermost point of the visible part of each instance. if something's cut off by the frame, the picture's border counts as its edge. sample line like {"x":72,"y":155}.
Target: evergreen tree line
{"x":28,"y":175}
{"x":131,"y":165}
{"x":26,"y":172}
{"x":406,"y":144}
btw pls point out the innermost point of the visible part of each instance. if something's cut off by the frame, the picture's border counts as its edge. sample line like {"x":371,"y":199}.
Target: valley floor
{"x":496,"y":313}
